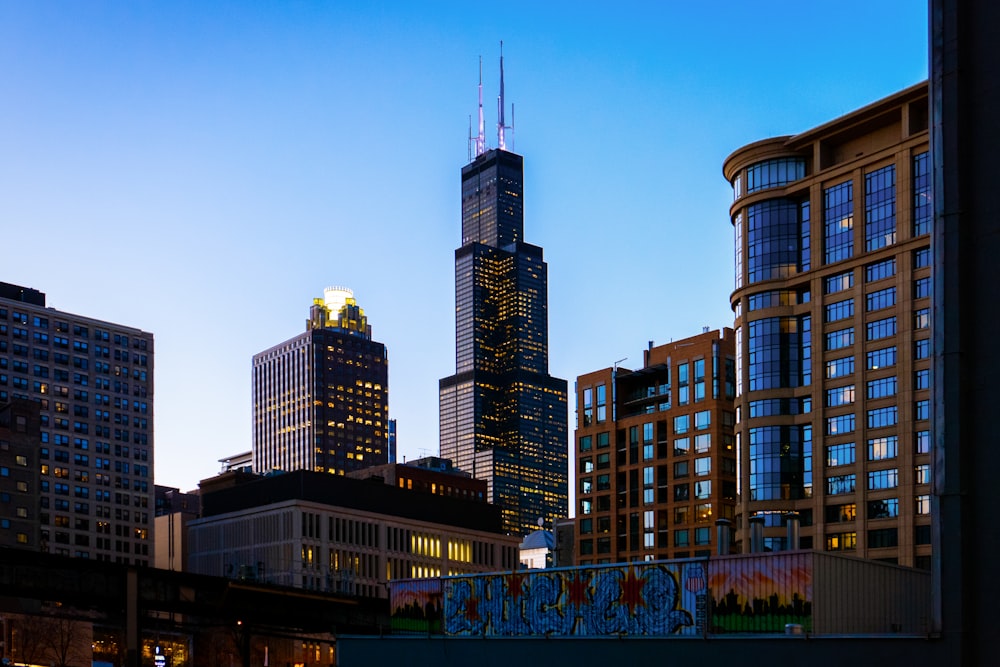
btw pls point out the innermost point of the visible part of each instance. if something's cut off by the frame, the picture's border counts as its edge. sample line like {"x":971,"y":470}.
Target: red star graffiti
{"x":576,"y":590}
{"x":632,"y":587}
{"x":472,"y":609}
{"x":515,"y":581}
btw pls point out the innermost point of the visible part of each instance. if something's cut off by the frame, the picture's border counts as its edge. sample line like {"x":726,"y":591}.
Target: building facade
{"x":337,"y":534}
{"x":321,"y":399}
{"x":19,"y":448}
{"x":832,"y":305}
{"x":430,"y":474}
{"x":656,"y":455}
{"x":92,"y":383}
{"x":502,"y":416}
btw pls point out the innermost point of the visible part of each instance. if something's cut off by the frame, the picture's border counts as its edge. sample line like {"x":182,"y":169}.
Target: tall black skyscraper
{"x":502,"y":416}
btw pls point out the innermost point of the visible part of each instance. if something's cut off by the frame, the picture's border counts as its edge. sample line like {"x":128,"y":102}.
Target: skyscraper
{"x":92,"y":385}
{"x":321,"y":399}
{"x":832,"y":304}
{"x":502,"y":416}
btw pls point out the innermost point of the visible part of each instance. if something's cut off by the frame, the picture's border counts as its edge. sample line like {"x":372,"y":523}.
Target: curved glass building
{"x":832,"y":325}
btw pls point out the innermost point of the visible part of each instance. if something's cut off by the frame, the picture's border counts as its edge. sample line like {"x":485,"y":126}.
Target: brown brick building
{"x":832,"y":305}
{"x":655,"y":453}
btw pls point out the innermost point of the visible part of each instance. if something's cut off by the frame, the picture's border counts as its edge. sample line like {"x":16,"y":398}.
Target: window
{"x":882,"y":387}
{"x":838,"y":222}
{"x":680,"y":469}
{"x":776,"y":245}
{"x":923,"y":210}
{"x":922,"y":349}
{"x":683,"y":391}
{"x":603,"y":461}
{"x":921,"y":258}
{"x":839,"y":455}
{"x":587,"y":401}
{"x":841,"y":513}
{"x":922,"y":409}
{"x":702,"y":536}
{"x":681,"y":538}
{"x":883,"y":479}
{"x":703,"y":466}
{"x":922,"y":442}
{"x":602,"y":403}
{"x":882,"y":417}
{"x":773,"y":173}
{"x":839,"y":282}
{"x":883,"y":298}
{"x":703,"y":490}
{"x":881,"y":328}
{"x":887,"y":508}
{"x":682,"y":446}
{"x":838,"y":484}
{"x":837,"y":368}
{"x":586,"y":464}
{"x":883,"y":448}
{"x":682,"y":424}
{"x":840,"y":310}
{"x":880,"y":208}
{"x":586,"y":442}
{"x":840,"y":396}
{"x":883,"y":537}
{"x":842,"y":338}
{"x":880,"y":270}
{"x":921,"y":288}
{"x":840,"y":424}
{"x":923,"y":505}
{"x":699,"y":379}
{"x":842,"y":541}
{"x":884,"y":358}
{"x":922,"y":474}
{"x":702,"y":443}
{"x":922,"y":379}
{"x":702,"y":420}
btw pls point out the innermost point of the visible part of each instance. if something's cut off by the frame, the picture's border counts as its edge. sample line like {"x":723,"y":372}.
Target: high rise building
{"x":656,"y":456}
{"x":832,"y":304}
{"x":321,"y":399}
{"x":92,"y":383}
{"x":502,"y":416}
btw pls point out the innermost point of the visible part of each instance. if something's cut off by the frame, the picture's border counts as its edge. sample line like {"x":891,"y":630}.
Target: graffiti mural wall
{"x":762,"y":594}
{"x":647,"y":599}
{"x":415,"y":606}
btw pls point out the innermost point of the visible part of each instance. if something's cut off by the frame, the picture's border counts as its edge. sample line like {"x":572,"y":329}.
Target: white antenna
{"x":470,"y":137}
{"x":501,"y":126}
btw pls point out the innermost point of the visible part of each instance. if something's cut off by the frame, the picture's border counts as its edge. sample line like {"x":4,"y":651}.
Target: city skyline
{"x":243,"y":147}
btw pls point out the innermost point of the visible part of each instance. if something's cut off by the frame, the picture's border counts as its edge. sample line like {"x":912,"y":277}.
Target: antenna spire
{"x":501,"y":143}
{"x":481,"y":137}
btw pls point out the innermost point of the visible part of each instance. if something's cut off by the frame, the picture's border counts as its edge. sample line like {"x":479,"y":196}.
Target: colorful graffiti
{"x":643,"y":599}
{"x":415,"y":606}
{"x":761,"y":594}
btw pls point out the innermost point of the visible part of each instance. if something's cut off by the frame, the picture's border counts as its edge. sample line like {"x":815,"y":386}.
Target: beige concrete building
{"x":337,"y":534}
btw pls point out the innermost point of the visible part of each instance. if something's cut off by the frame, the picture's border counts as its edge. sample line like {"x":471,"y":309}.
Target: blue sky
{"x":203,"y":170}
